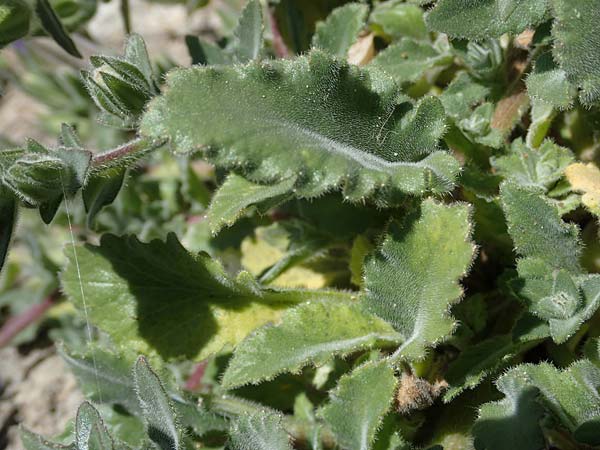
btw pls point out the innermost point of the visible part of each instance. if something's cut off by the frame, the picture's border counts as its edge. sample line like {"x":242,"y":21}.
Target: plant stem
{"x":194,"y":381}
{"x":125,"y":14}
{"x":300,"y":430}
{"x":131,"y":150}
{"x":14,"y":325}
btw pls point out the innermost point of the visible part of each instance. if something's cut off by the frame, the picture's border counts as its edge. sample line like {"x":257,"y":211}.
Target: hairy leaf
{"x":328,"y":123}
{"x":537,"y":229}
{"x":548,"y":83}
{"x":577,"y":50}
{"x":337,"y":34}
{"x":412,"y":280}
{"x":161,"y":420}
{"x":33,"y":441}
{"x":259,"y":431}
{"x":571,"y":395}
{"x":236,"y":194}
{"x":539,"y":168}
{"x":170,"y":301}
{"x":367,"y":392}
{"x":249,"y":32}
{"x":482,"y":19}
{"x":91,"y":433}
{"x":54,"y":27}
{"x":310,"y":333}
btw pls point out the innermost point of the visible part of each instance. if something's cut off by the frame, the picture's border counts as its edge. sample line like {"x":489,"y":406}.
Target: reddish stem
{"x":194,"y":382}
{"x":14,"y":325}
{"x":279,"y":46}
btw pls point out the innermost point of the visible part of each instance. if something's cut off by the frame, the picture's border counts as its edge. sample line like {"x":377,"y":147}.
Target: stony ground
{"x":36,"y":389}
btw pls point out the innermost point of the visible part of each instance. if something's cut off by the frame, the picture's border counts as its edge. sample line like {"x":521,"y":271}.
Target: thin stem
{"x":279,"y":46}
{"x":299,"y":430}
{"x":125,"y":14}
{"x":131,"y":150}
{"x":16,"y":324}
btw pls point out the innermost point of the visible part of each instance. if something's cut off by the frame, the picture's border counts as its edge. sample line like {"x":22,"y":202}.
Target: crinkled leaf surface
{"x":328,"y":123}
{"x":412,"y":280}
{"x":359,"y":403}
{"x":259,"y":431}
{"x":337,"y":34}
{"x":571,"y":395}
{"x":482,"y":19}
{"x":548,"y":83}
{"x":157,"y":298}
{"x":310,"y":333}
{"x":539,"y":167}
{"x":577,"y":46}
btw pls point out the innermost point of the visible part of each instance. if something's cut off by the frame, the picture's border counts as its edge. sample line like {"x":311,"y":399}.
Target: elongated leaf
{"x":54,"y":27}
{"x":249,"y":32}
{"x":104,"y":376}
{"x":482,"y":19}
{"x":236,"y":194}
{"x":91,"y":433}
{"x":173,"y":303}
{"x":539,"y":168}
{"x":570,"y":394}
{"x":160,"y":417}
{"x":412,"y":280}
{"x":330,"y":124}
{"x":310,"y":333}
{"x":259,"y":431}
{"x":337,"y":34}
{"x":409,"y":59}
{"x":357,"y":406}
{"x":575,"y":30}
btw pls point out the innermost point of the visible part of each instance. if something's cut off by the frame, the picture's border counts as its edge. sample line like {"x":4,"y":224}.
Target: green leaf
{"x":33,"y":441}
{"x":249,"y":32}
{"x":461,"y":95}
{"x":341,"y":29}
{"x":482,"y":19}
{"x":513,"y":422}
{"x":396,"y":20}
{"x":576,"y":49}
{"x":542,"y":115}
{"x":330,"y":124}
{"x":359,"y":403}
{"x":571,"y":395}
{"x":412,"y":280}
{"x":548,"y":83}
{"x":104,"y":376}
{"x":15,"y":17}
{"x":160,"y":417}
{"x":409,"y":59}
{"x":309,"y":333}
{"x":53,"y":26}
{"x":537,"y":229}
{"x":236,"y":194}
{"x":258,"y":431}
{"x":535,"y":168}
{"x":205,"y":52}
{"x":8,"y":217}
{"x":100,"y":191}
{"x":91,"y":433}
{"x":175,"y":303}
